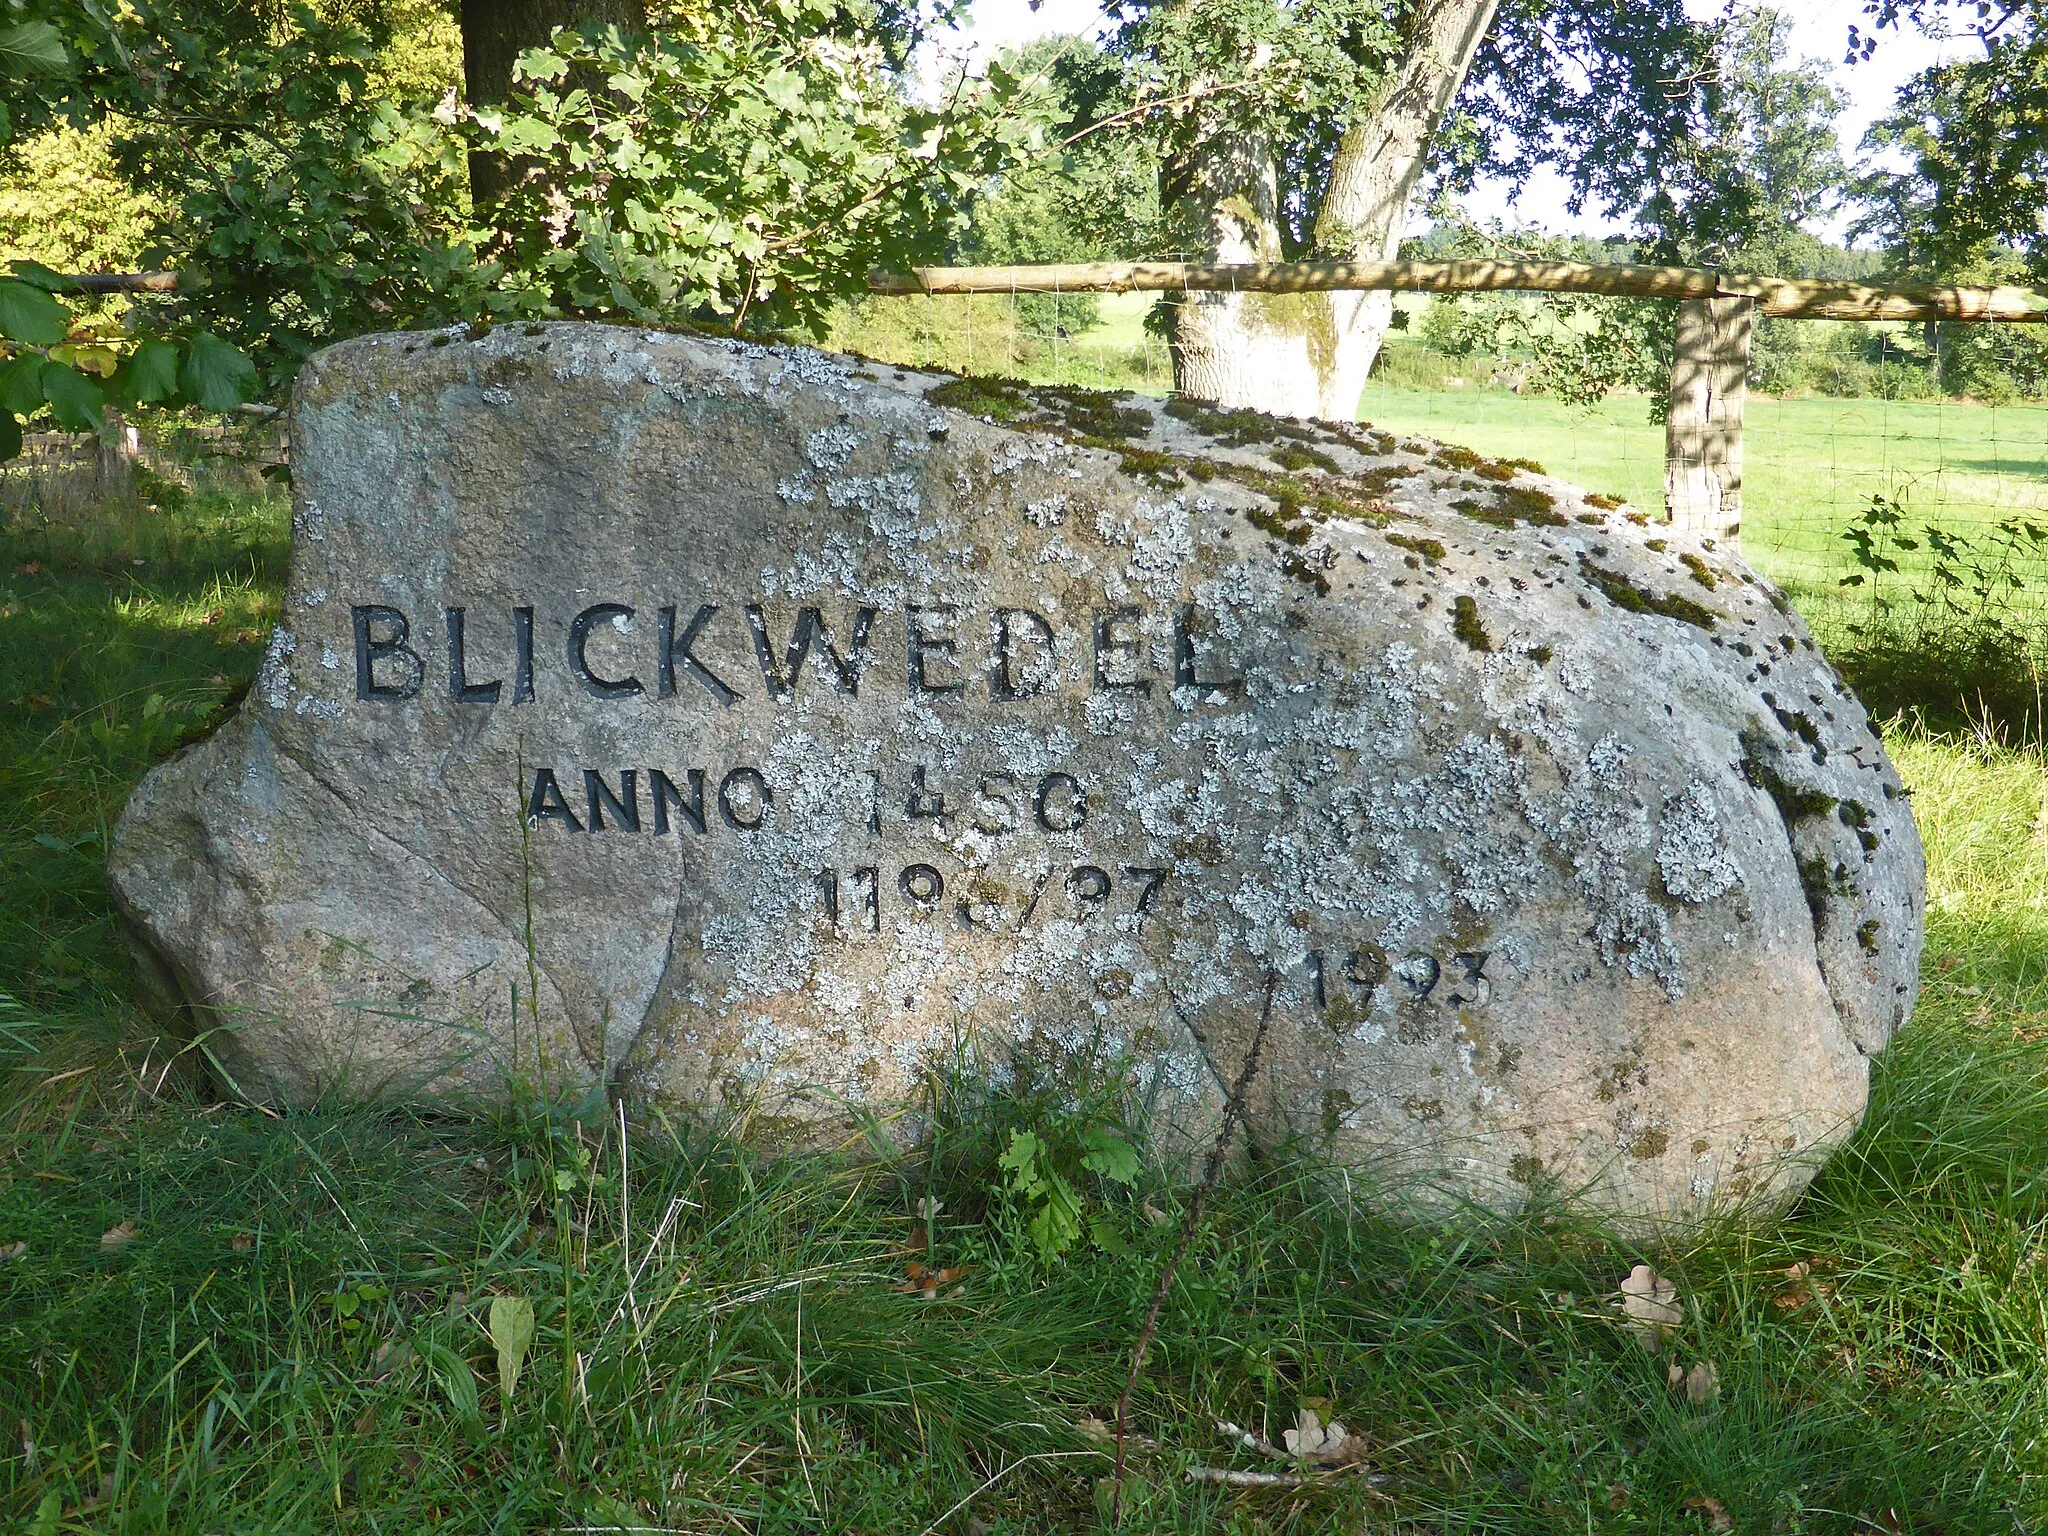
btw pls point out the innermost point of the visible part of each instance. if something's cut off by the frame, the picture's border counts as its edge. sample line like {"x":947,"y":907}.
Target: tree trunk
{"x":495,"y":33}
{"x":1309,"y":354}
{"x":1242,"y":348}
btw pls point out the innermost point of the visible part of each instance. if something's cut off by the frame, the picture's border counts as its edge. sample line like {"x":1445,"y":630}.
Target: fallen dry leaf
{"x":1796,"y":1293}
{"x":29,"y":568}
{"x":242,"y":1242}
{"x":919,"y":1277}
{"x":1715,"y":1511}
{"x":1103,"y":1432}
{"x":1649,"y":1301}
{"x":1327,"y":1444}
{"x":391,"y":1354}
{"x":9,"y":1252}
{"x":1948,"y":963}
{"x":114,"y":1239}
{"x":1703,"y":1384}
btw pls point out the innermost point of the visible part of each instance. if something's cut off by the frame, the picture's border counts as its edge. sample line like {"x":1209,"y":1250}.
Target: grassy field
{"x":219,"y":1319}
{"x":1809,"y":465}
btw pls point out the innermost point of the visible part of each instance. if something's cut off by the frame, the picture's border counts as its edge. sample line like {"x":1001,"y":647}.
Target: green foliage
{"x":1973,"y":135}
{"x":65,"y":203}
{"x":749,"y":163}
{"x":1973,"y":577}
{"x":756,"y":171}
{"x":45,"y":369}
{"x":1096,"y":198}
{"x":1718,"y":146}
{"x":1287,"y":78}
{"x":1578,"y":347}
{"x":1046,"y":1165}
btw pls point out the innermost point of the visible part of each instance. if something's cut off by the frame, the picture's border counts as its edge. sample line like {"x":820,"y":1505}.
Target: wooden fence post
{"x":1703,"y":433}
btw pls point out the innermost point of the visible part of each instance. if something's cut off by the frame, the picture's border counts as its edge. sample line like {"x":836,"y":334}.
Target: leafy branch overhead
{"x":48,"y":365}
{"x":759,"y":171}
{"x":747,"y":168}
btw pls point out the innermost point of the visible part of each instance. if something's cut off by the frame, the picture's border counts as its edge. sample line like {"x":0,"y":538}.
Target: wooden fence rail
{"x":1710,"y":353}
{"x":1790,"y":298}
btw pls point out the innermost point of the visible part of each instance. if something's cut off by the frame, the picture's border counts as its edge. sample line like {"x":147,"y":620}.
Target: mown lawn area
{"x":220,"y":1318}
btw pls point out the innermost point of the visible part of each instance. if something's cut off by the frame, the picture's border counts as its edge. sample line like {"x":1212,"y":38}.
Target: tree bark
{"x":495,"y":33}
{"x":1309,"y":354}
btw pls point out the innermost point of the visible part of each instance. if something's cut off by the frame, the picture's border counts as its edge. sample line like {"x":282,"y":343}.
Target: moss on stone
{"x":1431,"y":550}
{"x":1623,"y":593}
{"x":1512,"y":505}
{"x":1301,"y":456}
{"x":1795,"y":803}
{"x":1466,"y":626}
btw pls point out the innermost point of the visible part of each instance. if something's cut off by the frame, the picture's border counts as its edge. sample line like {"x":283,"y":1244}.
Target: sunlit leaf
{"x":152,"y":373}
{"x":21,"y":384}
{"x":32,"y":48}
{"x":216,"y":375}
{"x":36,"y":275}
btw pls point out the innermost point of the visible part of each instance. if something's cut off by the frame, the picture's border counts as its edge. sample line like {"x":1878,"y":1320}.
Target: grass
{"x":1809,"y":465}
{"x":297,"y":1334}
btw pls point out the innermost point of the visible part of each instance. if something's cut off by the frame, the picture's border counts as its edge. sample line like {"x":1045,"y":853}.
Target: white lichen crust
{"x":1036,"y":721}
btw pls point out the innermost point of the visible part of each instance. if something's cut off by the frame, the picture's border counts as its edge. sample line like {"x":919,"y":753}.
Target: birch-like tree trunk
{"x":1309,"y":354}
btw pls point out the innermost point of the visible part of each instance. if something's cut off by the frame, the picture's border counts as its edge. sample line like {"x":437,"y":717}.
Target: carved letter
{"x":1009,"y":679}
{"x":758,"y":791}
{"x":1111,"y":641}
{"x":522,"y":645}
{"x":809,"y":631}
{"x":1184,"y":656}
{"x":926,"y":646}
{"x":579,"y":637}
{"x":665,"y":794}
{"x":547,"y":804}
{"x":625,"y":805}
{"x":674,"y":650}
{"x":459,"y":685}
{"x":370,"y":651}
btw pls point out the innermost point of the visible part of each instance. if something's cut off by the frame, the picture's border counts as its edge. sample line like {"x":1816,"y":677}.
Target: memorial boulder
{"x":747,"y":727}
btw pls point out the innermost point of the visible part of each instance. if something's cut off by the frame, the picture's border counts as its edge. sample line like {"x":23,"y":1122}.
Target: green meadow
{"x":1810,"y":465}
